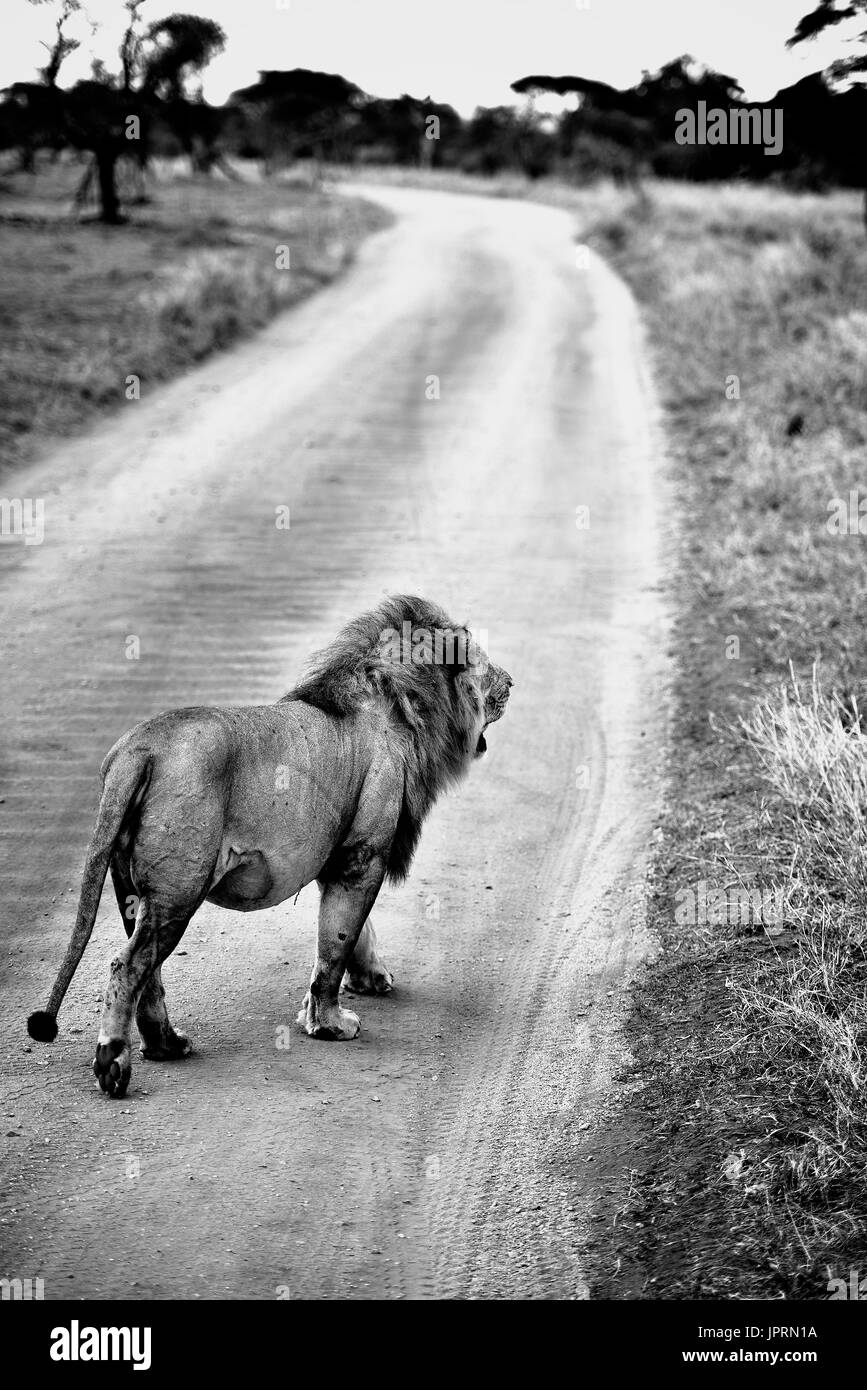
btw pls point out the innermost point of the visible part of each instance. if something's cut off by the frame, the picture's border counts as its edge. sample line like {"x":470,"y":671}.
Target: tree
{"x":131,"y":44}
{"x":63,"y":44}
{"x":661,"y":94}
{"x":626,"y":132}
{"x":109,"y":115}
{"x":827,"y":15}
{"x":603,"y":134}
{"x":36,"y":104}
{"x":98,"y":114}
{"x":299,"y":113}
{"x":501,"y":137}
{"x":174,"y":51}
{"x":177,"y":48}
{"x":401,"y":130}
{"x":96,"y":119}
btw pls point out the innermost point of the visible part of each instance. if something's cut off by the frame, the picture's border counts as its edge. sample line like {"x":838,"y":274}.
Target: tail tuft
{"x":42,"y":1026}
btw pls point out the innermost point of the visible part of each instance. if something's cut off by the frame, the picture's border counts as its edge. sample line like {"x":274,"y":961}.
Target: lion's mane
{"x":434,"y":706}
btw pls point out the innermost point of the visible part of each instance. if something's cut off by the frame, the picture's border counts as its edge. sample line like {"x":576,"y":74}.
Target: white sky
{"x":461,"y":51}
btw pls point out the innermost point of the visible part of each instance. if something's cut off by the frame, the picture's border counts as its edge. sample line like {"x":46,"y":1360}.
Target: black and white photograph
{"x":433,"y":670}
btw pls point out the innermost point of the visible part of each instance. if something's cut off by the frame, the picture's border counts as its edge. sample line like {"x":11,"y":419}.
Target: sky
{"x":465,"y":52}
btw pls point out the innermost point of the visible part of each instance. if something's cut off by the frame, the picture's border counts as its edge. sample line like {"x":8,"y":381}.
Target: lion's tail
{"x":125,"y":777}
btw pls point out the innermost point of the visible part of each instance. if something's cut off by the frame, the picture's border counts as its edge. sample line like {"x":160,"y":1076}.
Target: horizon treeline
{"x":302,"y":114}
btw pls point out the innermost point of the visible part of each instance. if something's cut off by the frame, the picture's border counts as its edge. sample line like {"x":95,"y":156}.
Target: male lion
{"x":244,"y":806}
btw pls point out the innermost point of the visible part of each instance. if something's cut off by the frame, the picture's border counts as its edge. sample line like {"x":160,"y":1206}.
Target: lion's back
{"x":185,"y":737}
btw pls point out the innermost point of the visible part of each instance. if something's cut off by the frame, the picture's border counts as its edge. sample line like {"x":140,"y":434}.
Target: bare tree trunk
{"x":221,"y":162}
{"x":106,"y":160}
{"x":82,"y":192}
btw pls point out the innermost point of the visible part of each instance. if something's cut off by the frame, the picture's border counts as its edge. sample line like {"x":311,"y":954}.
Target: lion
{"x":244,"y":806}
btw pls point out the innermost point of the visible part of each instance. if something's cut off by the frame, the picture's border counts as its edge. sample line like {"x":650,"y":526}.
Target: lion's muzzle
{"x":496,"y":699}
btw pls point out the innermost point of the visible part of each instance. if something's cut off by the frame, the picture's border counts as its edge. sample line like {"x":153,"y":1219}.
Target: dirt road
{"x":434,"y":421}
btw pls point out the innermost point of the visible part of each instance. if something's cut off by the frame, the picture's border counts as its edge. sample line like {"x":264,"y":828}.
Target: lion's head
{"x":493,"y":685}
{"x":437,"y":685}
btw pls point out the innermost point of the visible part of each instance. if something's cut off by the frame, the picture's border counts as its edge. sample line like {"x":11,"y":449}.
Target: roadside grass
{"x":748,"y":1101}
{"x":82,"y":307}
{"x":809,"y":1020}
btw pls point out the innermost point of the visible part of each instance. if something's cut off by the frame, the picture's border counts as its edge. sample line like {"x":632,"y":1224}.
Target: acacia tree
{"x":827,"y":15}
{"x":625,"y":131}
{"x":299,"y":113}
{"x":108,"y":115}
{"x":179,"y":46}
{"x":131,"y":45}
{"x":36,"y":105}
{"x":176,"y":50}
{"x":63,"y":44}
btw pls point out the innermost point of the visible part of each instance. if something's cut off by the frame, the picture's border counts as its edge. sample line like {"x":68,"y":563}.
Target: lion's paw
{"x":112,"y":1067}
{"x":378,"y":981}
{"x":329,"y":1025}
{"x":167,"y":1049}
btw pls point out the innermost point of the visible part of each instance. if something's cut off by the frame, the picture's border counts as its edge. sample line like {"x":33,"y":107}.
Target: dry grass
{"x":750,"y":1111}
{"x":82,"y":306}
{"x":809,"y":1019}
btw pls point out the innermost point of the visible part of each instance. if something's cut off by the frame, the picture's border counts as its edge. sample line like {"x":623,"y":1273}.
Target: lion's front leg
{"x":346,"y":900}
{"x":367,"y":972}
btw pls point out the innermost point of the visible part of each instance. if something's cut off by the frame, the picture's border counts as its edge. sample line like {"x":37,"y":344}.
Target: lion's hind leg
{"x":156,"y":933}
{"x":367,"y":973}
{"x":160,"y":1042}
